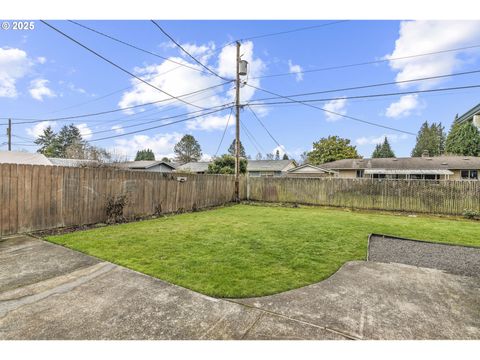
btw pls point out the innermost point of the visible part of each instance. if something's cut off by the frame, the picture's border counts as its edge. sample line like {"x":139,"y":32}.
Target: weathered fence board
{"x":34,"y":197}
{"x":443,"y":197}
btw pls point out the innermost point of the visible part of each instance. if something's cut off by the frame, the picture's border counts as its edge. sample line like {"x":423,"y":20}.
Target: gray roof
{"x":469,"y":114}
{"x":144,"y":164}
{"x":268,"y":165}
{"x":408,"y":172}
{"x":194,"y":166}
{"x":316,"y":167}
{"x":410,"y":163}
{"x":18,"y":157}
{"x":72,"y":162}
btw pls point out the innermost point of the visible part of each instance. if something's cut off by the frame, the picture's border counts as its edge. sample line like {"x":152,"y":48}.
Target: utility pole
{"x":237,"y":128}
{"x":9,"y":133}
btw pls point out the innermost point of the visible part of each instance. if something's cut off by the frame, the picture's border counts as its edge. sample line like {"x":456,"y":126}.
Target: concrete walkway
{"x":50,"y":292}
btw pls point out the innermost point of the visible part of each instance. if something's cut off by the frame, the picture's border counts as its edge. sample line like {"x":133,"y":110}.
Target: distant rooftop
{"x":144,"y":164}
{"x":410,"y":163}
{"x":18,"y":157}
{"x":268,"y":165}
{"x":469,"y":115}
{"x":72,"y":162}
{"x":194,"y":166}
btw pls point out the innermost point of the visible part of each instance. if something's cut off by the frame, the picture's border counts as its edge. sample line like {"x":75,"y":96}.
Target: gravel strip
{"x":455,"y":259}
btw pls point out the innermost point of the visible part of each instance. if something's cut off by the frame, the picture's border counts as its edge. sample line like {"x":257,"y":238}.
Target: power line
{"x":158,"y":126}
{"x":186,"y":52}
{"x":366,"y":62}
{"x":368,"y":96}
{"x":117,"y":66}
{"x":293,"y":30}
{"x":333,"y":112}
{"x":224,"y":131}
{"x":29,"y":120}
{"x":377,"y":84}
{"x":263,"y":125}
{"x":135,"y":47}
{"x":162,"y":119}
{"x":251,"y":138}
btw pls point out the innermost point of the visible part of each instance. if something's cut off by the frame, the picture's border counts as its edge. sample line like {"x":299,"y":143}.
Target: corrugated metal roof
{"x":194,"y":166}
{"x":144,"y":164}
{"x":72,"y":162}
{"x":408,"y":172}
{"x":417,"y":163}
{"x":18,"y":157}
{"x":268,"y":165}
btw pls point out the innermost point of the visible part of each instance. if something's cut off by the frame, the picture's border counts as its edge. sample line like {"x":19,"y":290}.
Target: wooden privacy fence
{"x":34,"y":197}
{"x":443,"y":197}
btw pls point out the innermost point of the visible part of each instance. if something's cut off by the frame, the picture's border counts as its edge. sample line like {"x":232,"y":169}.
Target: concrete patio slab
{"x":369,"y":300}
{"x":74,"y":296}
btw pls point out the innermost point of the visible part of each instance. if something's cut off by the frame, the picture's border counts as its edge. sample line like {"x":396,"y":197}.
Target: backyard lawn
{"x":253,"y":250}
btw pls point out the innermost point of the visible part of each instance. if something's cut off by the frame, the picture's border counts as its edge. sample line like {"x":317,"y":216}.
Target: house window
{"x":360,"y":173}
{"x":469,"y":174}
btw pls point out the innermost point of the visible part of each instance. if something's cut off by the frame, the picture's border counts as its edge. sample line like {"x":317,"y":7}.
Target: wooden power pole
{"x":237,"y":128}
{"x":9,"y":133}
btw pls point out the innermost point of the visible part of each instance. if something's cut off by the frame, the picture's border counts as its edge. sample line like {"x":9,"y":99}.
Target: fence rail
{"x":34,"y":197}
{"x":443,"y":197}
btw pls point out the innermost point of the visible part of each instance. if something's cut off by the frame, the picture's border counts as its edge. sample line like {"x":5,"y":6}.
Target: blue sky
{"x":42,"y":73}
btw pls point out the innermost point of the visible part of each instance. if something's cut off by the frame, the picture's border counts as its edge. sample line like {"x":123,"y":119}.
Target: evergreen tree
{"x":259,"y":156}
{"x":270,"y":156}
{"x":166,"y":159}
{"x":463,"y":139}
{"x":383,"y":150}
{"x":430,"y":139}
{"x":231,"y":149}
{"x":187,"y":149}
{"x":331,"y":149}
{"x":69,"y":135}
{"x":49,"y":144}
{"x":277,"y":155}
{"x":146,"y":154}
{"x":285,"y":157}
{"x":225,"y":164}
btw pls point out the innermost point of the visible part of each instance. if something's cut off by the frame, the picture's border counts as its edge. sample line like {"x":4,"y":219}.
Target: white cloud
{"x":432,"y":36}
{"x":118,"y":129}
{"x":403,"y":107}
{"x":39,"y":89}
{"x":182,"y":80}
{"x":176,"y":80}
{"x":295,"y":69}
{"x":14,"y":65}
{"x":374,"y":140}
{"x":41,"y":59}
{"x":335,"y":106}
{"x":206,"y":157}
{"x":201,"y":52}
{"x":161,"y":144}
{"x":281,"y":150}
{"x":37,"y":130}
{"x":211,"y":122}
{"x":85,"y":131}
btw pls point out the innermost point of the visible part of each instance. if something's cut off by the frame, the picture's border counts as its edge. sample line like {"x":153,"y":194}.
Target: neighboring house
{"x":73,"y":162}
{"x":196,"y":167}
{"x":147,"y":165}
{"x":308,"y":170}
{"x":471,"y":115}
{"x":18,"y":157}
{"x":269,"y":167}
{"x":427,"y":168}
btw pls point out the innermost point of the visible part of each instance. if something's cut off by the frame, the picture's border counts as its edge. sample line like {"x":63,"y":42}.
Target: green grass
{"x":246,"y":250}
